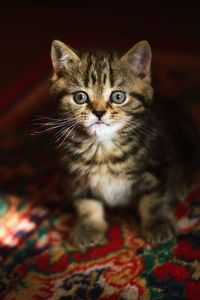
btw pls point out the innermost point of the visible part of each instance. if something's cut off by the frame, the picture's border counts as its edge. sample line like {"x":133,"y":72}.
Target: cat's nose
{"x":99,"y":113}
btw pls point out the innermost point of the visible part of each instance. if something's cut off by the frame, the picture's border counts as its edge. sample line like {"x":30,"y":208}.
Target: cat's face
{"x":100,"y":92}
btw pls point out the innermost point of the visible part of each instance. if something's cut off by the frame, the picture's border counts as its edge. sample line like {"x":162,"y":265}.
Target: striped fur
{"x":133,"y":157}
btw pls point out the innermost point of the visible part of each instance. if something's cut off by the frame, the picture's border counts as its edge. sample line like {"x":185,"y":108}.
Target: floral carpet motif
{"x":37,"y":260}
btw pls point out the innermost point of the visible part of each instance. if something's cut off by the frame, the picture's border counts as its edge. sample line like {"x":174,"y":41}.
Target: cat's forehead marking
{"x":97,"y":70}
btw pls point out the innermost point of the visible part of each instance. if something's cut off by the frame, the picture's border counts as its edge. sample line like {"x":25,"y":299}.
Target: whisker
{"x":62,"y":133}
{"x":50,"y":126}
{"x":67,"y":135}
{"x":141,"y":127}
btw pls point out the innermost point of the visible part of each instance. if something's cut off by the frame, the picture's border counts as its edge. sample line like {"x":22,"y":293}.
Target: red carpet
{"x":37,"y":261}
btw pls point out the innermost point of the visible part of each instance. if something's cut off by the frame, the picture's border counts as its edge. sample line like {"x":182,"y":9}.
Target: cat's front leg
{"x":157,"y":220}
{"x":91,"y":226}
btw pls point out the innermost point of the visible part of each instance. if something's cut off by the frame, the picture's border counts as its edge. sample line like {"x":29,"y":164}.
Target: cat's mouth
{"x":98,"y":123}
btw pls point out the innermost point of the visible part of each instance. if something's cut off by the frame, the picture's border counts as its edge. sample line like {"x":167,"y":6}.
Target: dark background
{"x":28,"y":27}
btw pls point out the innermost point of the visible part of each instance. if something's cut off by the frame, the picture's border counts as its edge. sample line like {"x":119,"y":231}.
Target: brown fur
{"x":133,"y":156}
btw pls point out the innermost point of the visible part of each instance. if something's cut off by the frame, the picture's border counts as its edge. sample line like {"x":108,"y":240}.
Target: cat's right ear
{"x":138,"y":58}
{"x":62,"y":56}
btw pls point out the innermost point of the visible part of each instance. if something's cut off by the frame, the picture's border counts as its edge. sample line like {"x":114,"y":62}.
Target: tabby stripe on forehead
{"x":94,"y":79}
{"x":98,"y":66}
{"x":87,"y":75}
{"x":111,"y":75}
{"x":104,"y":78}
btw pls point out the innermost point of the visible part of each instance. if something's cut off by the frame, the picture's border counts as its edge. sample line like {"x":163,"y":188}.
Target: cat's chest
{"x":114,"y":189}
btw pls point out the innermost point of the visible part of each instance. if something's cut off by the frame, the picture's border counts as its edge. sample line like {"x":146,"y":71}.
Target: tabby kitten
{"x":119,"y":146}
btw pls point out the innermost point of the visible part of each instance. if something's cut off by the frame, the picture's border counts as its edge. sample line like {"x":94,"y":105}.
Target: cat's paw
{"x":160,"y":231}
{"x":85,"y":235}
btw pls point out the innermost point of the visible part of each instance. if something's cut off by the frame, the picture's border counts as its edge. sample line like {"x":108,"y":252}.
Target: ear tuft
{"x":139,"y":59}
{"x":62,"y":55}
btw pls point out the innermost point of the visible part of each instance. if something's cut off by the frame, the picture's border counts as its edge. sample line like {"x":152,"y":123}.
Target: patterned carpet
{"x":37,"y":261}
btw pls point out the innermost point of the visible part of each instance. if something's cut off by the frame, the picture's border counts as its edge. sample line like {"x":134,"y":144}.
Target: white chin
{"x":98,"y":129}
{"x":102,"y":132}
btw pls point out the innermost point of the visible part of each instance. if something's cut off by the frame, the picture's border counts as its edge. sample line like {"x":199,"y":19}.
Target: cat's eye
{"x":118,"y":97}
{"x":81,"y":97}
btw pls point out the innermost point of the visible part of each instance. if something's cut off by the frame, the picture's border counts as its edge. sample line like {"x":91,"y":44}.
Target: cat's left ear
{"x":139,"y":59}
{"x":62,"y":56}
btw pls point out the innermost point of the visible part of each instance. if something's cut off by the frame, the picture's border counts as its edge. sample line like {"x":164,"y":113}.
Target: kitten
{"x":120,"y":146}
